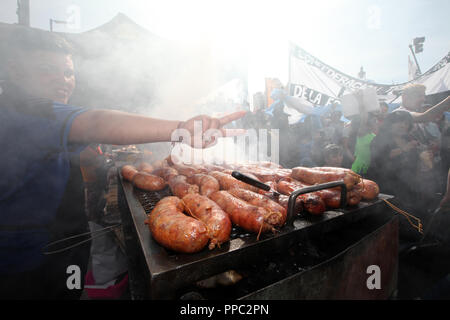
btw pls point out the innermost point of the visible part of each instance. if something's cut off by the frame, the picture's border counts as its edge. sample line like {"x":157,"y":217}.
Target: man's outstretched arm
{"x":433,"y":113}
{"x":122,"y":128}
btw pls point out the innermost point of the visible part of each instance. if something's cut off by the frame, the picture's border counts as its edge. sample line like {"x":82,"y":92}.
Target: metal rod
{"x":296,"y":193}
{"x":244,"y":178}
{"x":23,"y":12}
{"x":415,"y":59}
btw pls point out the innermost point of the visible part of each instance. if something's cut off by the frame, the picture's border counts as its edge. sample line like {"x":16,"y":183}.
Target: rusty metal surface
{"x":168,"y":270}
{"x":344,"y":276}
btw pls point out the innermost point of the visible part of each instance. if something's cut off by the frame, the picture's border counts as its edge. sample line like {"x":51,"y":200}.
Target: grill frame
{"x":158,"y":273}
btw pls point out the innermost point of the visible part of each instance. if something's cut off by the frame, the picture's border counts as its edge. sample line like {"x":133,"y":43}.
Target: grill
{"x":303,"y":244}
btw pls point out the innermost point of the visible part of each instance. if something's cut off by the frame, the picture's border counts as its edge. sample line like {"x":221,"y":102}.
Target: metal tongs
{"x":249,"y":180}
{"x":295,"y":194}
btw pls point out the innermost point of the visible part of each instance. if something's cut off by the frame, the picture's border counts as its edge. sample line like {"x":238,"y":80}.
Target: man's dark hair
{"x":16,"y":40}
{"x":23,"y":39}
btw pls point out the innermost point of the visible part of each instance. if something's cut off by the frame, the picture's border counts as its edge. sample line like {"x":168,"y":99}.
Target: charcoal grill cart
{"x":337,"y":255}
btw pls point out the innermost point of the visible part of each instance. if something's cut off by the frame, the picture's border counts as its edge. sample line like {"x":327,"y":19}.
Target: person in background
{"x":430,"y":174}
{"x":349,"y":141}
{"x":384,"y":110}
{"x":305,"y":144}
{"x":333,"y":156}
{"x":413,"y":98}
{"x":394,"y":165}
{"x":94,"y":167}
{"x":364,"y":137}
{"x":334,"y":128}
{"x":41,"y":135}
{"x":445,"y":202}
{"x":395,"y":156}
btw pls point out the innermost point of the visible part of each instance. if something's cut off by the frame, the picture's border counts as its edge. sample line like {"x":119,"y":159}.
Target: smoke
{"x":124,"y":67}
{"x":121,"y":66}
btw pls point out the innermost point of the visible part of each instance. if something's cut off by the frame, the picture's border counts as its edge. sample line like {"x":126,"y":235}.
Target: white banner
{"x":309,"y":72}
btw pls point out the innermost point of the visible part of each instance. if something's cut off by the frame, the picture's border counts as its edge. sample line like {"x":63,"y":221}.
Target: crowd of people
{"x":406,"y":151}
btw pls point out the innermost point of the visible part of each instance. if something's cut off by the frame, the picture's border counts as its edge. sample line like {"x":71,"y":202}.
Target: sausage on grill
{"x":207,"y":184}
{"x":185,"y":170}
{"x":369,"y":189}
{"x":248,"y":217}
{"x":319,"y":175}
{"x":227,"y":182}
{"x":172,"y":229}
{"x":148,"y":182}
{"x":145,"y":167}
{"x":180,"y":187}
{"x":217,"y":222}
{"x":165,"y":172}
{"x":261,"y":201}
{"x":312,"y":203}
{"x":128,"y":172}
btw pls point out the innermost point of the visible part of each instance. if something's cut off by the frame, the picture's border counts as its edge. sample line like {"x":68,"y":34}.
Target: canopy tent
{"x":320,"y":84}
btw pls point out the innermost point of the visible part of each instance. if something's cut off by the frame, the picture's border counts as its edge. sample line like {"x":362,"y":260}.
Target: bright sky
{"x":345,"y":34}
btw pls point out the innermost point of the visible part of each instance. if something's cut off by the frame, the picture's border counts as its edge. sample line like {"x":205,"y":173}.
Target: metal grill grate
{"x":149,"y":200}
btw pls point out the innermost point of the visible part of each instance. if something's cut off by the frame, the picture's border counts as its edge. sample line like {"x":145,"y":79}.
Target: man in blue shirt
{"x":39,"y":135}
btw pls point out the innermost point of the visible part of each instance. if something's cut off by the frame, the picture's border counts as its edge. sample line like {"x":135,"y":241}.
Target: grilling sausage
{"x":128,"y":172}
{"x":185,"y":170}
{"x":180,"y":187}
{"x":369,"y":189}
{"x":172,"y":229}
{"x":226,"y":182}
{"x":148,"y":182}
{"x":159,"y":164}
{"x":217,"y":222}
{"x":261,"y":201}
{"x":266,"y":174}
{"x":331,"y":197}
{"x":312,"y":203}
{"x":207,"y":184}
{"x":248,"y":217}
{"x":283,"y":201}
{"x":319,"y":175}
{"x":165,"y":172}
{"x":213,"y":167}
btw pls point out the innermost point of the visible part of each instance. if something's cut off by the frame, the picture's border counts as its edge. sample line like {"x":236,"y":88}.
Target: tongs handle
{"x":244,"y":178}
{"x":317,"y":187}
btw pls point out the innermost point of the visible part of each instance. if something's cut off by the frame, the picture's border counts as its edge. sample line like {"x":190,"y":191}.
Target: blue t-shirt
{"x":35,"y":168}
